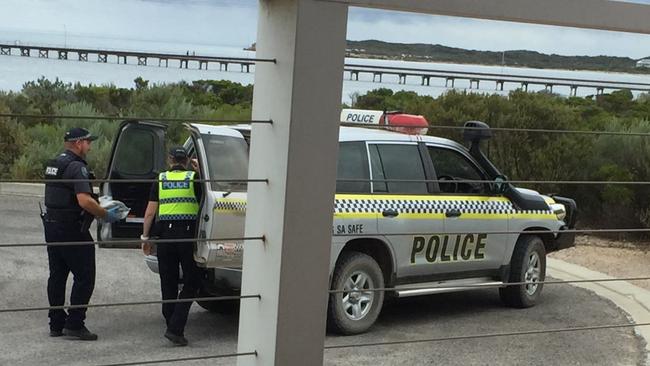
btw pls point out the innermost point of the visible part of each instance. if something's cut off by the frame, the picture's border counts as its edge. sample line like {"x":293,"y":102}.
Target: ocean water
{"x":15,"y":70}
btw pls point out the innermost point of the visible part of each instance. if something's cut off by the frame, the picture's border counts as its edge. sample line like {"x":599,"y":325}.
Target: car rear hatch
{"x":137,"y":154}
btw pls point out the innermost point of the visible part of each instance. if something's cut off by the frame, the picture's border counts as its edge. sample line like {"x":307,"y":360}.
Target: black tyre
{"x":226,"y":307}
{"x":528,"y":264}
{"x":355,"y":310}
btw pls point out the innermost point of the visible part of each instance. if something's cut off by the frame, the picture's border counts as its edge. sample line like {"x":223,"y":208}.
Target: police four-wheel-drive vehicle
{"x":414,"y":213}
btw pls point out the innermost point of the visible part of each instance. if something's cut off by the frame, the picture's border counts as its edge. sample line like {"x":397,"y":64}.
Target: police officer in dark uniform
{"x":175,"y":200}
{"x":71,"y":207}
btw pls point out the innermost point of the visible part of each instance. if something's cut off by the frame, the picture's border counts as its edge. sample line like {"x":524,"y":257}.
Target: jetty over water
{"x":373,"y":73}
{"x":135,"y":57}
{"x":475,"y":79}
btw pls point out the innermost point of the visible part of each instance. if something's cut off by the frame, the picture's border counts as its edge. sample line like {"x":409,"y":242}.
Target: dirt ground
{"x":619,"y":259}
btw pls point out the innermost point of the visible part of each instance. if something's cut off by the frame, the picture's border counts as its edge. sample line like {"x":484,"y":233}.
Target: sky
{"x":233,"y":23}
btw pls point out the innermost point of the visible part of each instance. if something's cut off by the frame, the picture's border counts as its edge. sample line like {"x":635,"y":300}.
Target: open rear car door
{"x":138,"y":153}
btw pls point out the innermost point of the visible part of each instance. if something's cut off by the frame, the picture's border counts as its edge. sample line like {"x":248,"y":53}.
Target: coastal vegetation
{"x":27,"y":143}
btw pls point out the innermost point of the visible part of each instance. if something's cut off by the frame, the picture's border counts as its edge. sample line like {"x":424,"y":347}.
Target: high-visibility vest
{"x":176,"y":198}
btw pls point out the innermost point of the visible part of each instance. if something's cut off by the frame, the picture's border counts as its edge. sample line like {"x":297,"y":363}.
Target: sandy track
{"x":616,"y":258}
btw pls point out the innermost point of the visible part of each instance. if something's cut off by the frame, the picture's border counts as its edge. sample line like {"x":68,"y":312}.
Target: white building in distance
{"x":644,"y":62}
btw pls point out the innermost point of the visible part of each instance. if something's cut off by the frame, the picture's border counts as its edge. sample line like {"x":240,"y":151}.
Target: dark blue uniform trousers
{"x":78,"y":259}
{"x":170,"y":256}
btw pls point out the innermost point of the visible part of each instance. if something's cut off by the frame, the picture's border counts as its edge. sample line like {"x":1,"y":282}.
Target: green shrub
{"x":12,"y":141}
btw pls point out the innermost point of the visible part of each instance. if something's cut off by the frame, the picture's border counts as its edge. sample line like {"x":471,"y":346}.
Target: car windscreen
{"x":227,"y":159}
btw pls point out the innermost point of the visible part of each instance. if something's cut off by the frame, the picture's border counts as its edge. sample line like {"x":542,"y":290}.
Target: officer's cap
{"x":178,"y":153}
{"x":78,"y":133}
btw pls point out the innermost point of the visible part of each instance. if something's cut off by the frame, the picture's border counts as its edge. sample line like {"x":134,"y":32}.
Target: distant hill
{"x":517,"y":58}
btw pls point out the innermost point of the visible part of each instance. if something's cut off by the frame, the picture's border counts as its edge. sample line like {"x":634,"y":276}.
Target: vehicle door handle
{"x":390,"y":213}
{"x":453,"y":213}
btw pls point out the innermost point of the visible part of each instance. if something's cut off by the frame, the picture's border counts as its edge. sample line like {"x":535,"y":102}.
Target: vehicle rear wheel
{"x":354,"y":310}
{"x":226,"y":307}
{"x":528,"y":264}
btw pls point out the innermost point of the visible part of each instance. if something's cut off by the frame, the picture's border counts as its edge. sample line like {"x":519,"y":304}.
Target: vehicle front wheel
{"x":355,"y":309}
{"x":528,"y":264}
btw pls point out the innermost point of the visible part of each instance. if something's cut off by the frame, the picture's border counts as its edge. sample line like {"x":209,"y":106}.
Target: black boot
{"x":82,"y":334}
{"x":177,"y":340}
{"x":56,"y":332}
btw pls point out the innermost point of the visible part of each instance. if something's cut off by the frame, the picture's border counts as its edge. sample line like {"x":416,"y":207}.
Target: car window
{"x":227,"y":159}
{"x":398,"y":161}
{"x":135,"y":152}
{"x":451,"y":166}
{"x":352,"y":164}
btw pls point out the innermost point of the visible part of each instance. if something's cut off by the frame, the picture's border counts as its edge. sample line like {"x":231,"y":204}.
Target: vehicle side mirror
{"x":500,"y":185}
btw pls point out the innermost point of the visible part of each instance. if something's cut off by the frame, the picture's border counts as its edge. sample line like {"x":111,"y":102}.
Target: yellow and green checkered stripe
{"x":427,"y":207}
{"x":369,"y":206}
{"x":226,"y":205}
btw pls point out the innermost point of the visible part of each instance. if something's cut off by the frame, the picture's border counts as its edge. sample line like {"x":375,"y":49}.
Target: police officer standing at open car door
{"x":71,"y":207}
{"x":175,"y":199}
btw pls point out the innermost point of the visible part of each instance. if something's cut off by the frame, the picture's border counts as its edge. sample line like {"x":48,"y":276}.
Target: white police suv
{"x":414,"y":213}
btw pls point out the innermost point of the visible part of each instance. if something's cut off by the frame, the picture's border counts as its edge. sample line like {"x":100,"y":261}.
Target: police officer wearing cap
{"x":175,"y":200}
{"x":70,"y":209}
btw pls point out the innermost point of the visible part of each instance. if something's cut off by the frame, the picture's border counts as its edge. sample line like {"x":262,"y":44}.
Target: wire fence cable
{"x":239,"y":297}
{"x":500,"y":129}
{"x":492,"y":285}
{"x":343,"y":180}
{"x":487,"y":335}
{"x":132,"y":241}
{"x":228,"y":121}
{"x":525,"y":232}
{"x":131,"y":303}
{"x":183,"y":359}
{"x":150,"y":180}
{"x":138,"y":118}
{"x":483,"y":181}
{"x":263,"y":238}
